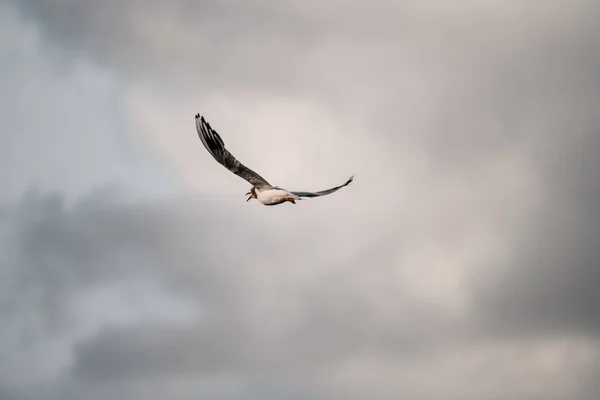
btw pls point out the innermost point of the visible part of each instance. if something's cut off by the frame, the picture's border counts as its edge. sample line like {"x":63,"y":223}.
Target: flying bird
{"x":261,"y":190}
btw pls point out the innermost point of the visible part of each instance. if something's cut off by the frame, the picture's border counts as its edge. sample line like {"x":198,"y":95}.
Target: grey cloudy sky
{"x":463,"y":263}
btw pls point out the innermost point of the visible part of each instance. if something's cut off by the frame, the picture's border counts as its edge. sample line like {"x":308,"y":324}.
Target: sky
{"x":461,"y":264}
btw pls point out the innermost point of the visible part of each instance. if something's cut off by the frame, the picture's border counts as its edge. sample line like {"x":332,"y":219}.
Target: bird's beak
{"x":248,"y":199}
{"x":248,"y":194}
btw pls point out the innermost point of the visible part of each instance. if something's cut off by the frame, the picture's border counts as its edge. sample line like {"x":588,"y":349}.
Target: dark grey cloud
{"x":58,"y":255}
{"x":149,"y":351}
{"x":461,"y":264}
{"x":251,"y":319}
{"x":553,"y":270}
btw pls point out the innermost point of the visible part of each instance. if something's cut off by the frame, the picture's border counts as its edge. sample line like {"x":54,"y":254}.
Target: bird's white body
{"x":271,"y":197}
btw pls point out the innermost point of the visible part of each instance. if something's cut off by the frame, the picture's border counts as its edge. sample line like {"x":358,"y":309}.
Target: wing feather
{"x":323,"y":192}
{"x":216,"y":147}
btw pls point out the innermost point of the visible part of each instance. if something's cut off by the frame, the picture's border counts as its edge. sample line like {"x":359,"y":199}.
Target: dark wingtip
{"x":201,"y":119}
{"x":350,"y":180}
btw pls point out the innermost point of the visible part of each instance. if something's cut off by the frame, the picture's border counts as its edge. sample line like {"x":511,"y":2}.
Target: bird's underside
{"x":261,"y":190}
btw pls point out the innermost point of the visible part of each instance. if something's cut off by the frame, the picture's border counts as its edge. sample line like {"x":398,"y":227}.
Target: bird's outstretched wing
{"x":215,"y":146}
{"x":323,"y":192}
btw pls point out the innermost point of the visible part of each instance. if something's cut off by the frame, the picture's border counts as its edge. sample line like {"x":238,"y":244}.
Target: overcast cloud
{"x":462,"y":263}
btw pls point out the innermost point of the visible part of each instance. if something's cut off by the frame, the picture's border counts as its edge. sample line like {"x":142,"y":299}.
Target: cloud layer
{"x":461,"y":264}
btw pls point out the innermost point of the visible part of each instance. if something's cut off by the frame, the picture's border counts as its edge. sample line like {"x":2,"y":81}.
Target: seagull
{"x":261,"y":190}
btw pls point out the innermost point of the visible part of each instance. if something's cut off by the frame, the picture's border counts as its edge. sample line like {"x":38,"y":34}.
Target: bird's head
{"x":251,"y":193}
